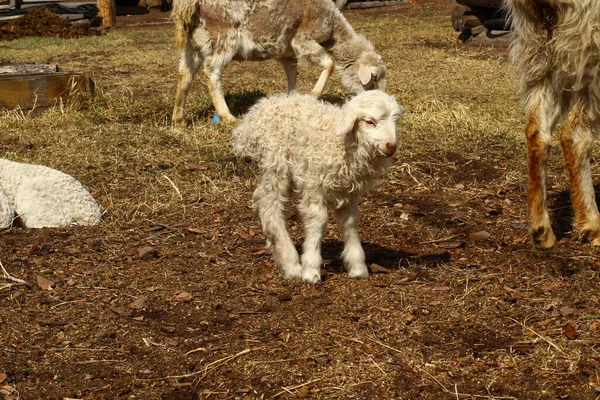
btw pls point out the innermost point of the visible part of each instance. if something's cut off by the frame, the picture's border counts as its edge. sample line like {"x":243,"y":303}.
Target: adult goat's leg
{"x":544,"y":110}
{"x":576,"y":140}
{"x":353,"y":254}
{"x":314,"y":216}
{"x":213,"y":68}
{"x":189,"y":63}
{"x":317,"y":55}
{"x":271,"y":198}
{"x":290,"y":66}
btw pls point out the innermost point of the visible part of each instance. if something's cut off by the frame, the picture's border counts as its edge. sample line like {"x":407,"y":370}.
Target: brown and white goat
{"x":556,"y":52}
{"x":212,"y":33}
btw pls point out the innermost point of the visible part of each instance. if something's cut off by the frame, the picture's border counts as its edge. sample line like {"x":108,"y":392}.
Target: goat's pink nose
{"x":391,"y":148}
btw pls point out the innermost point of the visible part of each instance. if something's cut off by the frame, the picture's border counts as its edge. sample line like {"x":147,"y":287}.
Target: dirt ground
{"x":458,"y":306}
{"x":41,"y":22}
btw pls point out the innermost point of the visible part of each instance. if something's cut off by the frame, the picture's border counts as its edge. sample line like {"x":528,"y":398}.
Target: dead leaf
{"x":184,"y":297}
{"x":3,"y":377}
{"x":45,"y":284}
{"x":375,"y":268}
{"x":303,"y":392}
{"x":148,"y":253}
{"x":197,"y":167}
{"x":566,"y":311}
{"x":479,"y":236}
{"x":138,"y":303}
{"x":570,"y":331}
{"x":284,"y":297}
{"x":451,"y":244}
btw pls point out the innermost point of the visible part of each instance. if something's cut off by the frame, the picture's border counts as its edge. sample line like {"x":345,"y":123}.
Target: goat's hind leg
{"x":271,"y":198}
{"x":213,"y":68}
{"x":544,"y":112}
{"x":290,"y":66}
{"x":314,"y":216}
{"x":189,"y":63}
{"x":576,"y":140}
{"x":353,"y":254}
{"x":316,"y":54}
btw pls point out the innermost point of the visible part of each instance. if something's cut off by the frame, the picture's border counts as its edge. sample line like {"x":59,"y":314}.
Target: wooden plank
{"x":20,"y":69}
{"x":108,"y":11}
{"x":499,"y":39}
{"x":481,"y":3}
{"x":371,"y":4}
{"x":41,"y":90}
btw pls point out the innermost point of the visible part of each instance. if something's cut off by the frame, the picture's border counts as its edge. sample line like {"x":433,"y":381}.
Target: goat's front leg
{"x":315,"y":53}
{"x":353,"y":254}
{"x":314,"y":216}
{"x":213,"y":69}
{"x":576,"y":140}
{"x":271,"y":198}
{"x":541,"y":120}
{"x":189,"y":63}
{"x":290,"y":66}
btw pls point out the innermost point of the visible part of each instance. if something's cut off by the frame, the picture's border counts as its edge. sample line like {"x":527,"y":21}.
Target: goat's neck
{"x":342,"y":30}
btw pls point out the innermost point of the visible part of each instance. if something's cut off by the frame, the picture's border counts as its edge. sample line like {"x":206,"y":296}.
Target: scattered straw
{"x":208,"y":368}
{"x":12,"y":281}
{"x":289,"y":389}
{"x":545,"y":339}
{"x":459,"y":395}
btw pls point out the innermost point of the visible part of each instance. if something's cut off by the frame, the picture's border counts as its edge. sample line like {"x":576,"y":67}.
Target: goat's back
{"x":295,"y":123}
{"x":257,"y":29}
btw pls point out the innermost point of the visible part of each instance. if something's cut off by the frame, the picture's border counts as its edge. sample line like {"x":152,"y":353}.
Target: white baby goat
{"x":330,"y":156}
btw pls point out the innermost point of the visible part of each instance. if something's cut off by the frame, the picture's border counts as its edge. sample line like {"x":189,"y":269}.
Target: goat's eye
{"x":371,"y":122}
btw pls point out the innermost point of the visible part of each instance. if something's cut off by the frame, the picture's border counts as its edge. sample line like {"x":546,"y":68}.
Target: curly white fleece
{"x":43,"y":197}
{"x":330,"y":156}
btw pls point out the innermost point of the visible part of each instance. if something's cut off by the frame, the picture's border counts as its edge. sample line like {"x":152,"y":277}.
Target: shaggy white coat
{"x":328,"y":155}
{"x":43,"y":197}
{"x":212,"y":33}
{"x":556,"y":53}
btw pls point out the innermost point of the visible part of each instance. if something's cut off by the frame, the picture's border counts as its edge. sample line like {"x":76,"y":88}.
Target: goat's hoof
{"x":229,"y":118}
{"x":543,"y":238}
{"x":293,"y":272}
{"x":179,"y":123}
{"x":593,"y":236}
{"x":311,"y":276}
{"x":358,"y":273}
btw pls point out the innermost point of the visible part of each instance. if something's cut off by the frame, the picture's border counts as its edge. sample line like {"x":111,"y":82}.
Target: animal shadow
{"x":383,"y":256}
{"x":562,"y":211}
{"x":239,"y":102}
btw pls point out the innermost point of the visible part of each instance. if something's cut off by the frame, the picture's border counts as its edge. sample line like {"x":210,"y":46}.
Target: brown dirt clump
{"x":41,"y":22}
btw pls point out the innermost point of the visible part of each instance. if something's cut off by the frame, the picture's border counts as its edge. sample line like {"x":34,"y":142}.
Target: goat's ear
{"x":364,"y":73}
{"x":347,"y":122}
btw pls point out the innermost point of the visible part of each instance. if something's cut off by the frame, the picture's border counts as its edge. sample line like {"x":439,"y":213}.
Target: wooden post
{"x":108,"y":12}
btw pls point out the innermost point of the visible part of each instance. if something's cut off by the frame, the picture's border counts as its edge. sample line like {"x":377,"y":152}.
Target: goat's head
{"x":361,"y":67}
{"x":370,"y":119}
{"x":372,"y":71}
